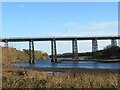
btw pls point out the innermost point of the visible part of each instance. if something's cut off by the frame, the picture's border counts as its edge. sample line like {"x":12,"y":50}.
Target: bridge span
{"x":53,"y":44}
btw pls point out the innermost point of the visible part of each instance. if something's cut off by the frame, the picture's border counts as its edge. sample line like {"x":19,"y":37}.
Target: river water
{"x":70,"y":64}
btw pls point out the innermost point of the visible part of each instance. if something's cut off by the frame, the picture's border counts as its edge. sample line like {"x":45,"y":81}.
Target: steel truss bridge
{"x":53,"y":44}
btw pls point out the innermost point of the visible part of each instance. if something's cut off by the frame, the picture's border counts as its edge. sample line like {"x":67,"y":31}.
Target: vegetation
{"x":69,"y":55}
{"x":34,"y":79}
{"x":20,"y":78}
{"x":108,"y":52}
{"x":10,"y":54}
{"x":38,"y":55}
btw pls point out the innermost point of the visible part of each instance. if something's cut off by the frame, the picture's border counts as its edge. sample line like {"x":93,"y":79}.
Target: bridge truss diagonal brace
{"x":31,"y":52}
{"x":113,"y":42}
{"x":53,"y":51}
{"x":94,"y":45}
{"x":75,"y":49}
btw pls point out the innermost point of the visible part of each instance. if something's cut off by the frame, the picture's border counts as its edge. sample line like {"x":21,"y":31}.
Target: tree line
{"x":107,"y":53}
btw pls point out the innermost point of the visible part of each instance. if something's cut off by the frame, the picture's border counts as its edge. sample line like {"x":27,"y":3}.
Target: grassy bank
{"x":10,"y":54}
{"x":13,"y":78}
{"x":17,"y":78}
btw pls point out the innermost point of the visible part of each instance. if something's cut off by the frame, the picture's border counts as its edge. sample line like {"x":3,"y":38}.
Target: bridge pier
{"x":94,"y":45}
{"x":53,"y":51}
{"x":31,"y":52}
{"x":74,"y":49}
{"x":113,"y":42}
{"x":6,"y":43}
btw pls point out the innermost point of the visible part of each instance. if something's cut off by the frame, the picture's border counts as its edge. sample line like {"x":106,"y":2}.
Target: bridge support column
{"x":74,"y":49}
{"x":113,"y":42}
{"x":94,"y":45}
{"x":31,"y":52}
{"x":6,"y":43}
{"x":53,"y":51}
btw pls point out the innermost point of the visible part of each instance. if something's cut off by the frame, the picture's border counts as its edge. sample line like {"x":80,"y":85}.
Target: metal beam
{"x":58,"y":38}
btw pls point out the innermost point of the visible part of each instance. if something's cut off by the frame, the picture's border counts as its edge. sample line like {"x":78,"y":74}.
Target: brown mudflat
{"x":76,"y":70}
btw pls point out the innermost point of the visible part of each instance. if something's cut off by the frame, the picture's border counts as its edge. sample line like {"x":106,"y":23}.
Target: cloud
{"x":93,"y":28}
{"x":88,"y":29}
{"x":103,"y":25}
{"x":93,"y":24}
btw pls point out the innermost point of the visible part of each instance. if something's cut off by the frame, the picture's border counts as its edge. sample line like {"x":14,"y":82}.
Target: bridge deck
{"x":58,"y":38}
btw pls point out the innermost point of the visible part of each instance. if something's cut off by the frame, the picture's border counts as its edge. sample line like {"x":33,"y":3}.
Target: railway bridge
{"x":53,"y":44}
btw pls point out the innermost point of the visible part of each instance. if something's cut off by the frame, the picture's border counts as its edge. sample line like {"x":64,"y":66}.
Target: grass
{"x":16,"y":78}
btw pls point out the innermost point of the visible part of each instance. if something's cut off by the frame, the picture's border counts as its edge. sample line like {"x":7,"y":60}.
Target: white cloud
{"x":98,"y":25}
{"x":94,"y":24}
{"x":92,"y":29}
{"x":106,"y":24}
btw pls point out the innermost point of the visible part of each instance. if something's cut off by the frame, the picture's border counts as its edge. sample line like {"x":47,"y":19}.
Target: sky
{"x":59,"y":19}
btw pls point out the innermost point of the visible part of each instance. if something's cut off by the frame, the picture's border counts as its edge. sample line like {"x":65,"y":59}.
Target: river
{"x":70,"y":64}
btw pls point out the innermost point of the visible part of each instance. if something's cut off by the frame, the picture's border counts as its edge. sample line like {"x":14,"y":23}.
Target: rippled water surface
{"x":71,"y":64}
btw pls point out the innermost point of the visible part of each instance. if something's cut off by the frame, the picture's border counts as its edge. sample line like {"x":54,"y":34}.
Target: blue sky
{"x":37,"y":19}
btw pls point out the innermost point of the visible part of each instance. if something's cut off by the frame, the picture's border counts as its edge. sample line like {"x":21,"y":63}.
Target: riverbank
{"x":93,"y":59}
{"x":34,"y":78}
{"x":73,"y":70}
{"x":30,"y":77}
